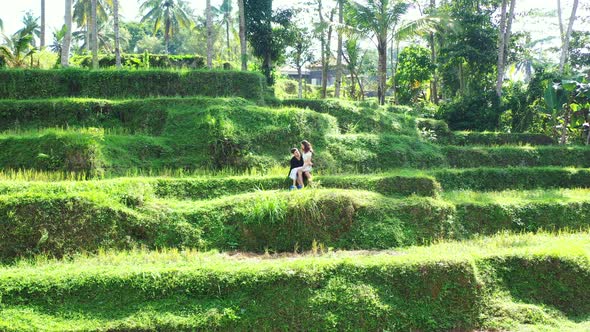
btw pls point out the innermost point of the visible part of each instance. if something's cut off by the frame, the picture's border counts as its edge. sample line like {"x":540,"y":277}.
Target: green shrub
{"x":466,"y":157}
{"x":368,"y":153}
{"x":139,"y":61}
{"x":491,"y":138}
{"x":116,"y":84}
{"x":318,"y":295}
{"x":360,"y":117}
{"x":54,"y":150}
{"x":496,"y":179}
{"x":449,"y":286}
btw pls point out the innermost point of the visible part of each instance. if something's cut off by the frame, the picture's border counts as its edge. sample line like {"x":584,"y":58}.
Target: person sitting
{"x":307,"y":164}
{"x":296,"y":164}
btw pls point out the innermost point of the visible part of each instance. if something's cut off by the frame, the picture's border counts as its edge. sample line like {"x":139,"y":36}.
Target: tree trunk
{"x":501,"y":49}
{"x":394,"y":71}
{"x":167,"y":36}
{"x":382,"y":68}
{"x":566,"y":41}
{"x":42,"y":34}
{"x":243,"y":49}
{"x":94,"y":35}
{"x":434,"y":60}
{"x":339,"y":50}
{"x":117,"y":40}
{"x":65,"y":50}
{"x":209,"y":35}
{"x":326,"y":68}
{"x":300,"y":78}
{"x":323,"y":50}
{"x":560,"y":18}
{"x":228,"y":19}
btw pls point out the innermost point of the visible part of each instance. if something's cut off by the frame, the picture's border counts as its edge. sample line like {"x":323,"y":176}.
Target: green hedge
{"x":496,"y":179}
{"x":54,"y":150}
{"x":469,"y":157}
{"x":359,"y":117}
{"x":262,"y":221}
{"x":443,"y":287}
{"x":29,"y":84}
{"x":490,"y":138}
{"x":143,"y":61}
{"x":311,"y":295}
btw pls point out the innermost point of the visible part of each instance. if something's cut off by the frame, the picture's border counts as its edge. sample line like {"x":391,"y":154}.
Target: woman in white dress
{"x":307,"y":150}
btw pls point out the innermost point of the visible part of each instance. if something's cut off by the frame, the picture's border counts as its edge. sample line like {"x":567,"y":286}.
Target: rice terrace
{"x":313,"y":165}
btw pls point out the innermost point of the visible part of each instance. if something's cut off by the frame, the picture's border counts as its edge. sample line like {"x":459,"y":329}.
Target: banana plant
{"x":568,"y":100}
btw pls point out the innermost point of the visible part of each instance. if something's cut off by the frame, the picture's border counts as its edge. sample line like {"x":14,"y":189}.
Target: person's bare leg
{"x":300,"y":177}
{"x":309,"y":177}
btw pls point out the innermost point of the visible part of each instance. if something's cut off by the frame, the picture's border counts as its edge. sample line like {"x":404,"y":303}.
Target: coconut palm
{"x":42,"y":36}
{"x":58,"y":39}
{"x":243,"y":47}
{"x":169,"y":12}
{"x":83,"y":14}
{"x":65,"y":51}
{"x":117,"y":37}
{"x":18,"y":47}
{"x":31,"y":24}
{"x":383,"y":20}
{"x":378,"y":17}
{"x":224,"y":11}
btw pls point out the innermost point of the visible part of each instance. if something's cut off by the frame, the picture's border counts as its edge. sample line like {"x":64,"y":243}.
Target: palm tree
{"x":377,"y":17}
{"x":169,"y":12}
{"x":42,"y":36}
{"x":58,"y":39}
{"x":94,"y":39}
{"x":18,"y":47}
{"x":566,"y":38}
{"x":31,"y":24}
{"x":117,"y":39}
{"x":65,"y":51}
{"x":83,"y":15}
{"x":225,"y":12}
{"x":209,"y":15}
{"x":243,"y":46}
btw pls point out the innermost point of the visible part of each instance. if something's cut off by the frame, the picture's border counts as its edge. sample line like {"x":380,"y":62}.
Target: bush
{"x":28,"y":84}
{"x":491,"y":138}
{"x":137,"y":61}
{"x":360,"y":117}
{"x":524,"y":178}
{"x":54,"y":150}
{"x":466,"y":157}
{"x":473,"y":112}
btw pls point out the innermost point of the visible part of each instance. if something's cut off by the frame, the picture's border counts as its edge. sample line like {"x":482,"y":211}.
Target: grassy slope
{"x":484,"y":283}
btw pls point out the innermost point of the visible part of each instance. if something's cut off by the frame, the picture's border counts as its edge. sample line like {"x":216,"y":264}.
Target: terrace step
{"x":460,"y":286}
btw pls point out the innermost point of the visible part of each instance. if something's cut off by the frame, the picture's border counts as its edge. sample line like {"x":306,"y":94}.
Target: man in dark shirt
{"x":296,"y":163}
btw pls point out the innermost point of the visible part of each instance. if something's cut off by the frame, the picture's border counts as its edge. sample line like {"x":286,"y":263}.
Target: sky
{"x":11,"y":12}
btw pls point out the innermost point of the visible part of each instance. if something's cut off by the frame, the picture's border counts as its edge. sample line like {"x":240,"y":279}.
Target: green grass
{"x":445,"y":286}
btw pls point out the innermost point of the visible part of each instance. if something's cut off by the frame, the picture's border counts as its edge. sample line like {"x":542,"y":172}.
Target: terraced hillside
{"x":170,"y":211}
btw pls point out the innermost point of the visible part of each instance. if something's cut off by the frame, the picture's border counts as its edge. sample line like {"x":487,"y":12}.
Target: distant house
{"x":313,"y":73}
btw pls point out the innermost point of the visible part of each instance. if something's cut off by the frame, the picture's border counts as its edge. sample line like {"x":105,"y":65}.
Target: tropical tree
{"x":58,"y":39}
{"x":170,"y":13}
{"x":65,"y":51}
{"x":566,"y":38}
{"x":242,"y":33}
{"x":209,"y":16}
{"x":42,"y":35}
{"x":117,"y":37}
{"x":503,"y":41}
{"x":18,"y":47}
{"x":300,"y":54}
{"x":82,"y":15}
{"x":377,"y":17}
{"x":225,"y":11}
{"x":31,"y":24}
{"x":353,"y":58}
{"x":94,"y":36}
{"x":340,"y":29}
